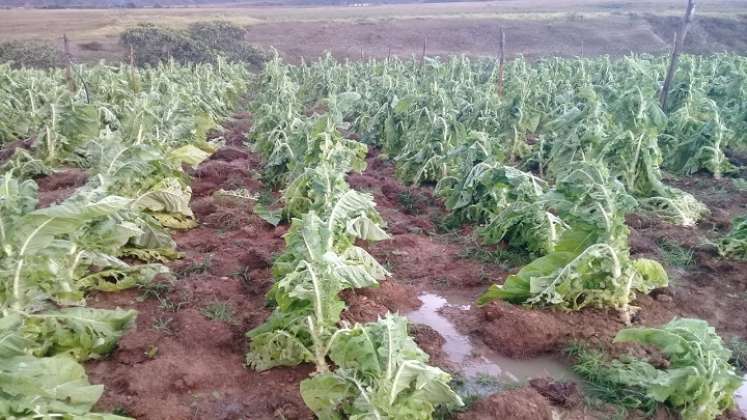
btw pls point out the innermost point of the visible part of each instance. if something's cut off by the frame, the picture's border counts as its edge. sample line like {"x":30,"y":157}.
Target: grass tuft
{"x":218,"y":311}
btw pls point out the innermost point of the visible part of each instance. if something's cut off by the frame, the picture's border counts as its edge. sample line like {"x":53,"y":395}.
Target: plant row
{"x":549,"y":166}
{"x":372,"y":370}
{"x":132,"y":132}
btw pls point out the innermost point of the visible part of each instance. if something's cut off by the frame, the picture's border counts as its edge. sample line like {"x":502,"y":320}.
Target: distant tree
{"x":201,"y":42}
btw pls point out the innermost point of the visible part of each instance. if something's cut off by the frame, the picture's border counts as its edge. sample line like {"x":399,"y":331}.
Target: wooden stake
{"x":68,"y":64}
{"x":501,"y":61}
{"x":679,"y":41}
{"x":422,"y":55}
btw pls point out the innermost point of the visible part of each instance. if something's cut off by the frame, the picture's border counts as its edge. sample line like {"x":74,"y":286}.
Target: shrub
{"x":30,"y":54}
{"x":152,"y":44}
{"x":201,"y":42}
{"x":227,"y":40}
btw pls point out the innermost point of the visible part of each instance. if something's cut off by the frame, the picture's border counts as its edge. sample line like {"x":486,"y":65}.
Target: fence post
{"x":679,"y":40}
{"x":68,"y":64}
{"x":501,"y":61}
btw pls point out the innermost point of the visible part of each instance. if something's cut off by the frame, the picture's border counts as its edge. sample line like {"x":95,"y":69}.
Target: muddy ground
{"x":185,"y":359}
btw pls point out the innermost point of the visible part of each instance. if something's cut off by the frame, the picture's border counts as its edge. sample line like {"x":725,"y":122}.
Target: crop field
{"x":387,"y":238}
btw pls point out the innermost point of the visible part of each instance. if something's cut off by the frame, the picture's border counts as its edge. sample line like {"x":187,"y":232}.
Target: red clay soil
{"x":60,"y":185}
{"x":517,"y":404}
{"x":178,"y":363}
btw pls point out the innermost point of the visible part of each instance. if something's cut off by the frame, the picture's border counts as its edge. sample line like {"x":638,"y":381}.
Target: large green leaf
{"x":81,"y":332}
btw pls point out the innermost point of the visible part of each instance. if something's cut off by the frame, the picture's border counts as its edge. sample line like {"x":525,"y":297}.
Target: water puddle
{"x":741,"y":396}
{"x":472,"y":357}
{"x":476,"y":361}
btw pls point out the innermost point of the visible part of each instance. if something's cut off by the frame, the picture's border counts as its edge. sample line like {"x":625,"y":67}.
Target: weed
{"x":121,"y":411}
{"x":601,"y":380}
{"x":446,"y":223}
{"x":152,"y":352}
{"x":506,"y":257}
{"x":410,"y":201}
{"x":155,"y":290}
{"x":196,"y":267}
{"x":218,"y":311}
{"x":244,"y":276}
{"x":167,"y":304}
{"x":738,"y":347}
{"x":163,"y":325}
{"x":484,"y":379}
{"x":674,"y":254}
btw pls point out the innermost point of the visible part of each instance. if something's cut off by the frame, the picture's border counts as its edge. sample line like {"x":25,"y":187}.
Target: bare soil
{"x":570,"y":35}
{"x":533,"y":28}
{"x":60,"y":185}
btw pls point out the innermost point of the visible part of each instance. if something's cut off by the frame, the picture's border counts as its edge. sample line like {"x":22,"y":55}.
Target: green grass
{"x":244,"y":276}
{"x":196,"y":267}
{"x":163,"y":325}
{"x":411,"y":202}
{"x":675,"y":255}
{"x":155,"y":290}
{"x":738,"y":347}
{"x":218,"y":311}
{"x":508,"y":258}
{"x":601,"y":381}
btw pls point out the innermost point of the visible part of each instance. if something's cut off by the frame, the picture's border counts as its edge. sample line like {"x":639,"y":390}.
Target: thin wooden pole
{"x":68,"y":64}
{"x":679,"y":41}
{"x":422,"y":55}
{"x":501,"y":61}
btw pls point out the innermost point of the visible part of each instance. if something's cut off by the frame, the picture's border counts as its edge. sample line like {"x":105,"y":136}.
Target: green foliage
{"x":54,"y":386}
{"x":228,"y":40}
{"x":152,"y":44}
{"x":381,"y":373}
{"x":603,"y":379}
{"x":738,"y":348}
{"x":675,"y":255}
{"x":310,"y":157}
{"x":734,"y":244}
{"x":30,"y":54}
{"x":698,"y":381}
{"x":588,"y":265}
{"x":550,"y":167}
{"x":133,"y":144}
{"x":218,"y":311}
{"x":201,"y":42}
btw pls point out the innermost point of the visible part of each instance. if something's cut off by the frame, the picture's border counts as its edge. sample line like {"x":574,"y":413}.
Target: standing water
{"x":472,"y":357}
{"x":741,"y":396}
